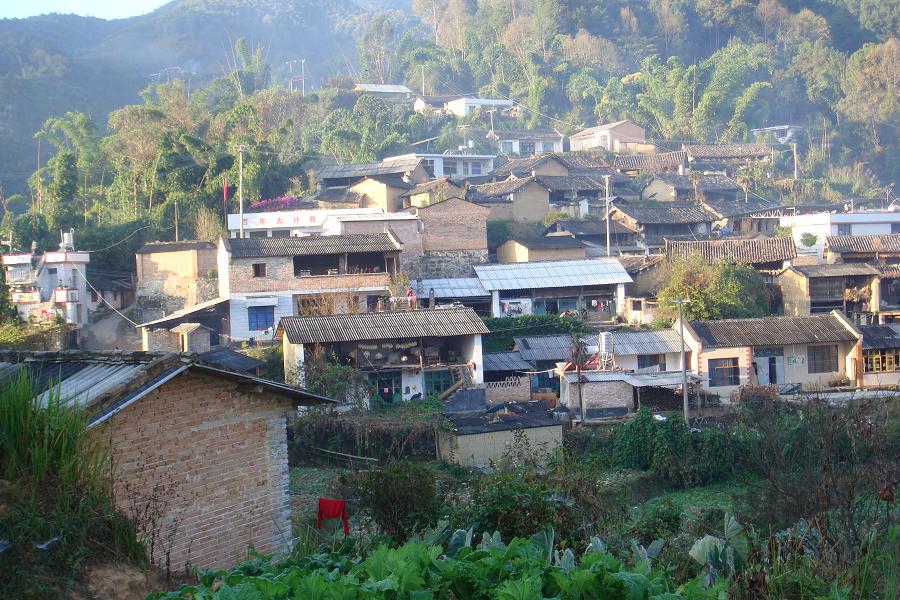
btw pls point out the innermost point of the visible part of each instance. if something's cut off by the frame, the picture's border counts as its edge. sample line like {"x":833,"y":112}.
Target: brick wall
{"x":216,"y":461}
{"x":454,"y":224}
{"x":406,"y":231}
{"x":513,"y":389}
{"x":280,"y":277}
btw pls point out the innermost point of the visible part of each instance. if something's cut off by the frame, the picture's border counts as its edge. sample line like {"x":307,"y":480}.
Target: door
{"x":387,"y":386}
{"x":773,"y":370}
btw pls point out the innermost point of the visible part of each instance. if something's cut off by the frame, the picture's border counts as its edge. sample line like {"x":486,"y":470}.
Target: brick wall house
{"x":172,"y":276}
{"x":454,"y":238}
{"x":201,"y":449}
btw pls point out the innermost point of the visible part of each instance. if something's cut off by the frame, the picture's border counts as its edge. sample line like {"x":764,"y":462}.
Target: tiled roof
{"x":583,"y":161}
{"x":435,"y":184}
{"x":727,"y":151}
{"x":155,"y":247}
{"x":666,"y":213}
{"x":592,"y":130}
{"x":106,"y":279}
{"x":528,"y":134}
{"x":757,"y":250}
{"x":738,"y":207}
{"x":835,"y":270}
{"x":552,"y":274}
{"x":646,"y":342}
{"x":557,"y":347}
{"x":340,"y":193}
{"x":390,"y":166}
{"x":441,"y":322}
{"x":311,"y":245}
{"x":637,"y":263}
{"x":889,"y":271}
{"x":501,"y":188}
{"x":209,"y":305}
{"x":773,"y":331}
{"x":880,"y":336}
{"x":886,"y":242}
{"x":574,"y":183}
{"x":505,"y":361}
{"x":553,"y":242}
{"x":650,"y":162}
{"x":707,"y":183}
{"x":584,"y":228}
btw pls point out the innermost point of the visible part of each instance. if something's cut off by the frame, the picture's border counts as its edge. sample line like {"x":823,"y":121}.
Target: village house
{"x":382,"y":191}
{"x":822,"y":224}
{"x":810,"y":352}
{"x":681,"y":188}
{"x":336,"y":197}
{"x":592,"y":233}
{"x":882,"y":251}
{"x":206,"y":445}
{"x":288,"y":223}
{"x":109,"y":289}
{"x":852,"y":289}
{"x":647,"y":350}
{"x":405,"y":227}
{"x":656,"y":222}
{"x":725,"y":158}
{"x":557,"y":165}
{"x":196,"y":328}
{"x":172,"y":276}
{"x":523,"y":200}
{"x":266,"y":279}
{"x":408,"y":167}
{"x":748,"y":217}
{"x":647,"y":271}
{"x":454,"y":238}
{"x":434,"y":191}
{"x":461,"y":163}
{"x":406,"y":354}
{"x":881,"y":355}
{"x":784,"y":134}
{"x":533,"y":249}
{"x":388,"y":92}
{"x":463,"y":107}
{"x":433,"y":103}
{"x":767,"y":255}
{"x":612,"y":137}
{"x":592,"y":287}
{"x":544,"y":352}
{"x":532,"y":142}
{"x":49,"y":286}
{"x":480,"y":439}
{"x":663,"y":162}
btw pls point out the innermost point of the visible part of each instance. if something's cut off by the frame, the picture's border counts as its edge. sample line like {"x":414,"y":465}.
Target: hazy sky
{"x":104,"y":9}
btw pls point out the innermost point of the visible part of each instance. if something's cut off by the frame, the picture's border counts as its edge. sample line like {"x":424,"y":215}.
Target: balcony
{"x":63,"y":295}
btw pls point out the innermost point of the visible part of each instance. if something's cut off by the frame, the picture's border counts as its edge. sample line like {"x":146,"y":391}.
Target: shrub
{"x":657,"y":520}
{"x":632,"y":442}
{"x":401,"y":497}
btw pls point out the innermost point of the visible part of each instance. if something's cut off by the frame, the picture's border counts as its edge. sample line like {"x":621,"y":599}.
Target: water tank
{"x":606,"y":342}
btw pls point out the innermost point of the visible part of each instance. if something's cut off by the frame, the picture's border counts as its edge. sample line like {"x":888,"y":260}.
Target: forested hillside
{"x":687,"y":70}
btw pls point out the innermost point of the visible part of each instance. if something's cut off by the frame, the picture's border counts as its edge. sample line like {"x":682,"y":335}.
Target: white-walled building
{"x":453,"y":163}
{"x":532,"y":142}
{"x":289,"y":223}
{"x":49,"y":286}
{"x":824,"y":224}
{"x":463,"y":107}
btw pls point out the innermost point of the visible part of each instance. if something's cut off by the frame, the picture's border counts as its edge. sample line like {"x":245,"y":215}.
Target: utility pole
{"x":176,"y":221}
{"x":422,"y":67}
{"x":606,"y":191}
{"x":794,"y":145}
{"x":491,"y":112}
{"x":684,"y":382}
{"x":292,"y":79}
{"x":240,"y":150}
{"x":303,"y":78}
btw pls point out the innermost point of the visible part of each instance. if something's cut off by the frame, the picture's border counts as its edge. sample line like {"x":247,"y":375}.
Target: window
{"x":260,"y":317}
{"x":506,"y":147}
{"x":648,"y":361}
{"x":877,"y":361}
{"x":724,"y":371}
{"x":428,"y":164}
{"x":259,"y":269}
{"x":546,"y":146}
{"x":437,"y":382}
{"x":475,"y":168}
{"x":822,"y":359}
{"x":449,"y":167}
{"x":895,"y":227}
{"x":51,"y":271}
{"x":637,"y":305}
{"x":844,"y":229}
{"x":93,"y":296}
{"x":526,"y":148}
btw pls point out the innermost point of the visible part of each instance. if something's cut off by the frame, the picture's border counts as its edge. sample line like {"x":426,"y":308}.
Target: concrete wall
{"x":512,"y":389}
{"x":606,"y":394}
{"x":379,"y":195}
{"x":659,"y":191}
{"x":215,"y":459}
{"x":512,"y":251}
{"x":484,"y":448}
{"x":794,"y":293}
{"x":629,"y":362}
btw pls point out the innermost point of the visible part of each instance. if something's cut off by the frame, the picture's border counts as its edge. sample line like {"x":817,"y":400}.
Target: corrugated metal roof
{"x":552,"y":274}
{"x":878,"y":337}
{"x":389,"y":166}
{"x":773,"y":331}
{"x":382,"y":88}
{"x":231,"y":359}
{"x":555,"y":347}
{"x":528,"y":134}
{"x":184,"y":312}
{"x":835,"y":270}
{"x":442,"y":322}
{"x":454,"y":287}
{"x":505,"y":361}
{"x":646,"y":342}
{"x":886,"y":242}
{"x":757,"y":250}
{"x":656,"y":379}
{"x":311,"y":245}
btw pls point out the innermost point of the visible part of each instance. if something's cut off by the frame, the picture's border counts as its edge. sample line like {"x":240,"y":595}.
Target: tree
{"x":715,"y":291}
{"x":60,"y":202}
{"x":376,"y":46}
{"x":430,"y":12}
{"x":669,"y":20}
{"x":872,"y":87}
